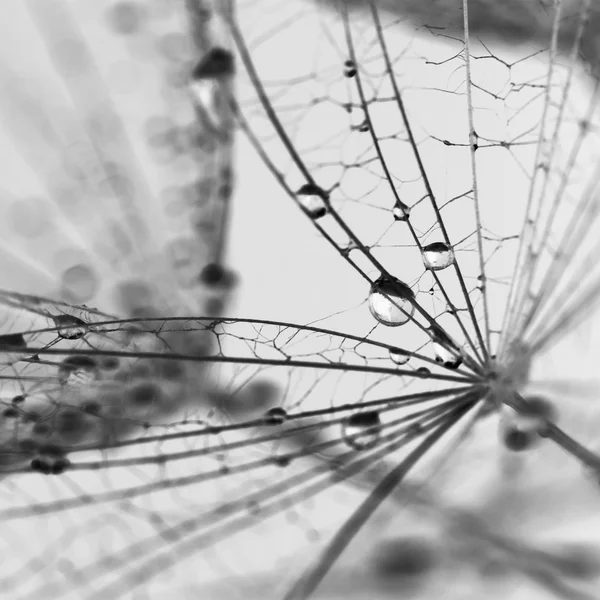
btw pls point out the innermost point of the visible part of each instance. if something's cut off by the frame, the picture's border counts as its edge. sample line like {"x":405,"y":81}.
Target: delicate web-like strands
{"x":148,"y":443}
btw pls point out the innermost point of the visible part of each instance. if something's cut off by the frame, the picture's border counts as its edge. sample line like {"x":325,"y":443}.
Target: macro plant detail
{"x":432,"y":434}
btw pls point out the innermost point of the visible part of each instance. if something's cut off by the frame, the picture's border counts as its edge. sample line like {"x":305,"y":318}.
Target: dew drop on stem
{"x":390,"y":302}
{"x":312,"y":200}
{"x":362,"y":430}
{"x":275,"y":416}
{"x":399,"y":357}
{"x":69,"y":327}
{"x":438,"y":256}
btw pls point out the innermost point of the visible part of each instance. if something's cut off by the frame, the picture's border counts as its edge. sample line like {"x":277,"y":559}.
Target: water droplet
{"x":275,"y":416}
{"x":79,"y":283}
{"x":215,"y":275}
{"x":78,"y":370}
{"x":517,"y":440}
{"x":282,"y":461}
{"x":390,"y":302}
{"x":362,"y":430}
{"x":126,"y":17}
{"x":401,"y":212}
{"x":9,"y":346}
{"x":399,"y":357}
{"x":437,"y":256}
{"x":217,"y":63}
{"x":577,"y":561}
{"x":423,"y":371}
{"x":444,"y":349}
{"x":70,"y":327}
{"x":312,"y":199}
{"x":403,"y":558}
{"x":349,"y":69}
{"x":146,"y":395}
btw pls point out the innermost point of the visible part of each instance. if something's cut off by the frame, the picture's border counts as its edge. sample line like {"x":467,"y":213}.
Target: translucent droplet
{"x":70,"y":327}
{"x":215,"y":275}
{"x":444,"y":349}
{"x":218,"y":62}
{"x":79,"y":283}
{"x":312,"y":200}
{"x":349,"y":69}
{"x":423,"y":371}
{"x":78,"y":370}
{"x":126,"y":17}
{"x":405,"y":558}
{"x":276,"y":416}
{"x":438,"y":256}
{"x":534,"y":417}
{"x":362,"y":430}
{"x":399,"y":357}
{"x":517,"y":439}
{"x":9,"y":347}
{"x":401,"y":212}
{"x":390,"y":302}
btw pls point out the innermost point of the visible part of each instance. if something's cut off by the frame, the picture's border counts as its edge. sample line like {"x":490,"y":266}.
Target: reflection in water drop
{"x":362,"y":430}
{"x":437,"y":256}
{"x":390,"y":302}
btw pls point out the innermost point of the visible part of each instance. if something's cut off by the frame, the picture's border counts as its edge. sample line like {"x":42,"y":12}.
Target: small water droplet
{"x":423,"y":371}
{"x":403,"y":558}
{"x":126,"y":17}
{"x":390,"y":302}
{"x":78,"y":370}
{"x":70,"y":327}
{"x":399,"y":357}
{"x":282,"y":461}
{"x":401,"y":212}
{"x":437,"y":256}
{"x":312,"y":199}
{"x":362,"y":430}
{"x":218,"y":62}
{"x":518,"y":440}
{"x":275,"y":416}
{"x":349,"y":69}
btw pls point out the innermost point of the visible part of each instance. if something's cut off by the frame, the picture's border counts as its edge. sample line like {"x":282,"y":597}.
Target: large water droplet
{"x":78,"y":370}
{"x":312,"y":199}
{"x":390,"y":302}
{"x":362,"y":430}
{"x":70,"y":327}
{"x":399,"y":357}
{"x":438,"y":256}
